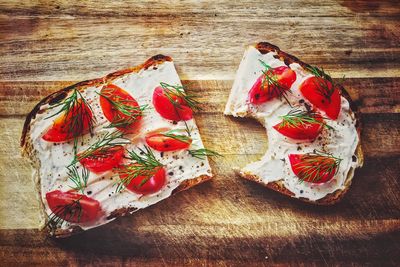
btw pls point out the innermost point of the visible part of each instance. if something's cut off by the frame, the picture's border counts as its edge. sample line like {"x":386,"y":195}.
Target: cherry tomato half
{"x":313,"y":169}
{"x":178,"y":110}
{"x":146,"y":184}
{"x":120,"y":108}
{"x":161,"y":142}
{"x":103,"y":160}
{"x":320,"y":93}
{"x":261,"y":93}
{"x":73,"y":207}
{"x":302,"y":131}
{"x":64,"y":128}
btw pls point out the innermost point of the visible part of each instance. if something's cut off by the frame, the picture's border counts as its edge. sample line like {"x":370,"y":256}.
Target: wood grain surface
{"x":47,"y":45}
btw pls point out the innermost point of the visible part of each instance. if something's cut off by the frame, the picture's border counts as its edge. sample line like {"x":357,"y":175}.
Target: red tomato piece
{"x":120,"y":108}
{"x":103,"y":160}
{"x":302,"y":131}
{"x":320,"y":93}
{"x":284,"y":76}
{"x":179,"y":111}
{"x":73,"y":207}
{"x":62,"y":131}
{"x":313,"y":168}
{"x":161,"y":142}
{"x":146,"y":184}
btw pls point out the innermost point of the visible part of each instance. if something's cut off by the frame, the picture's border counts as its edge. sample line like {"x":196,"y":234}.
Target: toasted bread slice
{"x":50,"y":165}
{"x":285,"y":181}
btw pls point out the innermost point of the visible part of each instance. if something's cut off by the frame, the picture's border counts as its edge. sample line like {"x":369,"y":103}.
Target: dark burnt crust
{"x":62,"y":233}
{"x":56,"y":97}
{"x":278,"y":186}
{"x":190,"y":183}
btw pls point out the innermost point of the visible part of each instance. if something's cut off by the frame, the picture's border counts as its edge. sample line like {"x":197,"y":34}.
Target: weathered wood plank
{"x":372,"y":95}
{"x":116,"y":245}
{"x":73,"y":42}
{"x":282,"y":8}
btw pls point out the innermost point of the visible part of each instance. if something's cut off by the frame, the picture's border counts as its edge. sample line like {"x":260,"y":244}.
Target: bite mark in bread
{"x":239,"y":106}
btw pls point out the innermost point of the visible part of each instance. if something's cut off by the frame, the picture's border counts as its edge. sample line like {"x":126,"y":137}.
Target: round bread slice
{"x":239,"y":106}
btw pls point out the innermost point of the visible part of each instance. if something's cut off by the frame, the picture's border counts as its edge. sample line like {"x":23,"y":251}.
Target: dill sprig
{"x":127,"y":114}
{"x":180,"y":137}
{"x":313,"y":166}
{"x":75,"y":105}
{"x":123,"y":122}
{"x":79,"y":179}
{"x":297,"y":118}
{"x":75,"y":115}
{"x":271,"y":83}
{"x":177,"y":91}
{"x":325,"y":87}
{"x":203,"y":153}
{"x":101,"y":146}
{"x":144,"y":164}
{"x":172,"y":91}
{"x":64,"y":213}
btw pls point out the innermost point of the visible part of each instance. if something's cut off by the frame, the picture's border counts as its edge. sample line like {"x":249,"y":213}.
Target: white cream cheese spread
{"x":341,"y":141}
{"x":54,"y":157}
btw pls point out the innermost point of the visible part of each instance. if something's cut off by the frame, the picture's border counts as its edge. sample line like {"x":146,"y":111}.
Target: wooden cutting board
{"x":227,"y":221}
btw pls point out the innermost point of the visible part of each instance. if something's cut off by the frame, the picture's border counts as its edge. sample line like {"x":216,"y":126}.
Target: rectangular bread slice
{"x":273,"y":169}
{"x":51,"y":159}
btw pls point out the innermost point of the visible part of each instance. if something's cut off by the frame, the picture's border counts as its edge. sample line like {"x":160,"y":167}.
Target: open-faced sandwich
{"x":311,"y":122}
{"x":107,"y":147}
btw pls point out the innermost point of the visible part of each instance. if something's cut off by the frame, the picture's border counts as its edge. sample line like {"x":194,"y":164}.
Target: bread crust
{"x":331,"y":198}
{"x":28,"y":150}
